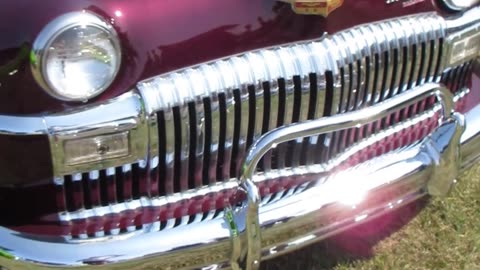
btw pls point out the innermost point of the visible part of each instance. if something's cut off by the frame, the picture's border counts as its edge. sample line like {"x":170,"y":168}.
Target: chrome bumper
{"x":248,"y":233}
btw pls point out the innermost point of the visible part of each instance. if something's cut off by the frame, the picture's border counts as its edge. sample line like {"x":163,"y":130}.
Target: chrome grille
{"x":202,"y":119}
{"x":208,"y":115}
{"x":102,"y":188}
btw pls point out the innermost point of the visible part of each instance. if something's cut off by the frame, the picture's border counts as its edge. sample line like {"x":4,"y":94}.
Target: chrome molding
{"x":122,"y":114}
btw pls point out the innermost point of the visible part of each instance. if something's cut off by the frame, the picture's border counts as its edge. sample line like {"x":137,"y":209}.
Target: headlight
{"x":460,"y":4}
{"x":76,"y":56}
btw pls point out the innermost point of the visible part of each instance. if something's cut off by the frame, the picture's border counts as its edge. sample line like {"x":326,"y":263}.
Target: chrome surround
{"x":452,"y":5}
{"x":124,"y":113}
{"x":469,"y":29}
{"x":56,"y":27}
{"x":121,"y":114}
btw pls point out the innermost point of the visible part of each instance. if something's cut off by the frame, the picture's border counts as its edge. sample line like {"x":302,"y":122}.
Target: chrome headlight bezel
{"x":456,"y":5}
{"x":51,"y":32}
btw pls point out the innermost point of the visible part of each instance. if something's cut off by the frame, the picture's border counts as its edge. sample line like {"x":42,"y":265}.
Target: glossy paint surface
{"x":163,"y":35}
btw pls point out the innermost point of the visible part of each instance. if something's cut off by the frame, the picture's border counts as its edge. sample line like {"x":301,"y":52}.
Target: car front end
{"x":204,"y":134}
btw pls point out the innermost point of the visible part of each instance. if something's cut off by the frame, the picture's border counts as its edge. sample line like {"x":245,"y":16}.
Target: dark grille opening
{"x":457,"y":78}
{"x":386,"y":66}
{"x":222,"y":167}
{"x":162,"y":164}
{"x":236,"y":132}
{"x":403,"y":74}
{"x":207,"y":144}
{"x":413,"y":58}
{"x":192,"y":115}
{"x":393,"y":82}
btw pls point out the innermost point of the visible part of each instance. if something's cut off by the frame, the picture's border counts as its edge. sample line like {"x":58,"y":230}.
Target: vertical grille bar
{"x":169,"y":151}
{"x":196,"y":144}
{"x":223,"y":168}
{"x":381,"y":58}
{"x":331,"y":51}
{"x":237,"y":110}
{"x":180,"y":119}
{"x":388,"y":62}
{"x":274,"y":73}
{"x":231,"y":121}
{"x":126,"y":171}
{"x":243,"y":77}
{"x":357,"y":46}
{"x":400,"y":42}
{"x":214,"y":139}
{"x":290,"y":69}
{"x":416,"y":55}
{"x":430,"y":54}
{"x":94,"y":186}
{"x":111,"y":185}
{"x":307,"y":98}
{"x":259,"y":74}
{"x":343,"y":58}
{"x":371,"y":50}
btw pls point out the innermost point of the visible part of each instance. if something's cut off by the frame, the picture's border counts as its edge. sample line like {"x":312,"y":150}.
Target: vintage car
{"x":166,"y":134}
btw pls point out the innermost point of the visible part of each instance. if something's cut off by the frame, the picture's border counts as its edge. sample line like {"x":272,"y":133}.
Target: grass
{"x":435,"y":233}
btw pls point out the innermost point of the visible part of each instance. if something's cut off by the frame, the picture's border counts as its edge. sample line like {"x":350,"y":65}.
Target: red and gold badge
{"x":314,"y":7}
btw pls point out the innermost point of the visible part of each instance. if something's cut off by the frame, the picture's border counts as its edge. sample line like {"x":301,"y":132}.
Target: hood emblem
{"x":314,"y":7}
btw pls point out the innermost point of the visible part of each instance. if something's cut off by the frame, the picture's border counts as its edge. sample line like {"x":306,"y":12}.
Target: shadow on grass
{"x":352,"y":245}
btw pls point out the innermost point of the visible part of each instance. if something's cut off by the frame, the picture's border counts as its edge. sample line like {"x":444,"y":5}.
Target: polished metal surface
{"x":56,"y":28}
{"x":261,"y":90}
{"x":190,"y":130}
{"x":459,"y":5}
{"x":443,"y":150}
{"x":463,"y":45}
{"x":285,"y":225}
{"x":121,"y":114}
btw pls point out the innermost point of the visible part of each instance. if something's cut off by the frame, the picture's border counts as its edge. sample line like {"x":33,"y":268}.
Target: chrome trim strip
{"x":124,"y":113}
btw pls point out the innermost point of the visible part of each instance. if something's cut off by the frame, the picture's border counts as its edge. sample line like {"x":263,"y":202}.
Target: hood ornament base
{"x":314,"y":7}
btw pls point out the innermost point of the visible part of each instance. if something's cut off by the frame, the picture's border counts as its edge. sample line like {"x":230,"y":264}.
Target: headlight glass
{"x":460,"y":4}
{"x":76,"y":56}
